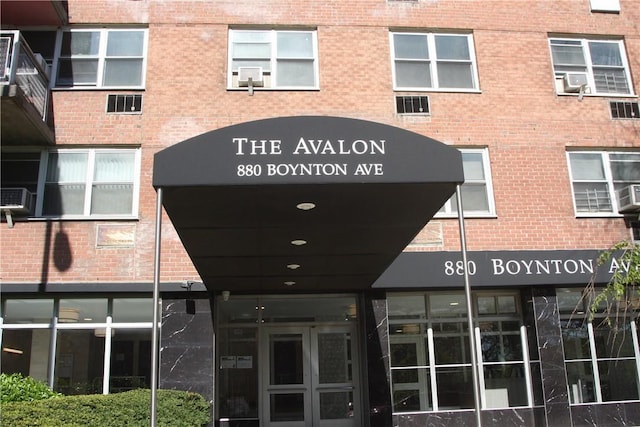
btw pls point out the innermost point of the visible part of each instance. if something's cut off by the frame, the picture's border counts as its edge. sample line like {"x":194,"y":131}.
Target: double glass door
{"x":309,"y":377}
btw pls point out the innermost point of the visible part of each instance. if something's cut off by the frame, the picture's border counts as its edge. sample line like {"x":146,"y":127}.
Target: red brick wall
{"x":525,"y":125}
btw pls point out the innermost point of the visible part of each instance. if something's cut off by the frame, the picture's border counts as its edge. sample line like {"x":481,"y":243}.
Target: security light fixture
{"x":298,"y":242}
{"x":190,"y":304}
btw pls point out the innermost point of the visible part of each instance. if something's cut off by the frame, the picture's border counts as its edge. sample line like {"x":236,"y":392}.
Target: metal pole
{"x":467,"y":293}
{"x":156,"y":298}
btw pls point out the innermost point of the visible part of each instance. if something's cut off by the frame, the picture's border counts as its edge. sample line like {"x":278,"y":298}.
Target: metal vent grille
{"x":412,"y":105}
{"x":624,"y":110}
{"x":124,"y":103}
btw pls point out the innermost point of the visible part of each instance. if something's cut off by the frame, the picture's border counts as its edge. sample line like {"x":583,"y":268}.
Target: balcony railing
{"x":19,"y":66}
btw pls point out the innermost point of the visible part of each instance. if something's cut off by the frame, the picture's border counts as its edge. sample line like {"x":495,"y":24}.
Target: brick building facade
{"x":539,"y":97}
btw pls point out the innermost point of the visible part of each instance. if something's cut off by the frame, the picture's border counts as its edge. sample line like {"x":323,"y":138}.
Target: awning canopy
{"x":302,"y":204}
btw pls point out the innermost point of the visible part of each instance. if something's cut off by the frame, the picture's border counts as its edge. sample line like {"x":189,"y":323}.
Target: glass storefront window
{"x":600,"y":355}
{"x":28,"y":311}
{"x":130,"y":360}
{"x":26,"y":351}
{"x":81,"y":334}
{"x":79,"y":362}
{"x":86,"y":310}
{"x":442,"y":332}
{"x":132,"y":310}
{"x":238,"y":386}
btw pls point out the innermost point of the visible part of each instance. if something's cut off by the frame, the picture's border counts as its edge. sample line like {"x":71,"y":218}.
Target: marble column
{"x":551,"y":352}
{"x":187,"y":348}
{"x":376,"y":390}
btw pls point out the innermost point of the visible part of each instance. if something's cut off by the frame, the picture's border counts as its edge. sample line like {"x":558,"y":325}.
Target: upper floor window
{"x":76,"y":183}
{"x":428,"y":61}
{"x":273,"y":59}
{"x":477,"y":192}
{"x":598,"y":65}
{"x":102,"y":58}
{"x":595,"y":176}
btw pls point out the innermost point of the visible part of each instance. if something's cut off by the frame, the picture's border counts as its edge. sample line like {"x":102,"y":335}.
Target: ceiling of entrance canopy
{"x":302,"y":204}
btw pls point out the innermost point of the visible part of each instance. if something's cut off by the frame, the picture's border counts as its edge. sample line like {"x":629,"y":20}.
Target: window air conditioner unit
{"x":16,"y":200}
{"x":250,"y":76}
{"x":574,"y":82}
{"x":629,"y":199}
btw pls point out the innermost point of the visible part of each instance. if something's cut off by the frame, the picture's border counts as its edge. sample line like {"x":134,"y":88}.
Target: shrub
{"x":16,"y":388}
{"x":131,"y":408}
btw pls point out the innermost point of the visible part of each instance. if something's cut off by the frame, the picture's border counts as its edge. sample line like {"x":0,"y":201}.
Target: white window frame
{"x":107,"y":324}
{"x":91,"y":152}
{"x":606,"y":163}
{"x":427,"y":360}
{"x":449,"y":212}
{"x":101,"y":56}
{"x":433,"y":61}
{"x":271,"y":75}
{"x":572,"y":314}
{"x":591,"y":86}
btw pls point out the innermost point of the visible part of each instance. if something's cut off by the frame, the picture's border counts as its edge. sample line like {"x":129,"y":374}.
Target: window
{"x":603,"y":63}
{"x":88,"y":333}
{"x":430,"y":61}
{"x":605,"y":5}
{"x":600,"y":356}
{"x":106,"y":58}
{"x":90,"y":183}
{"x":477,"y":193}
{"x":596,"y":175}
{"x":431,"y":357}
{"x":287,"y":59}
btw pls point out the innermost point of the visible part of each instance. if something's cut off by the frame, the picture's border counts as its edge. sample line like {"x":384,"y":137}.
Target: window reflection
{"x":437,"y":324}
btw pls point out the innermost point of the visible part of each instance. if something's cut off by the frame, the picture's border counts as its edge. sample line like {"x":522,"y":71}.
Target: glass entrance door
{"x":309,"y":378}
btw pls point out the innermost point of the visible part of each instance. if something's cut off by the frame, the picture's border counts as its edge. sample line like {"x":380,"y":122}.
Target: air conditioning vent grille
{"x":124,"y":103}
{"x":624,"y":110}
{"x":412,"y":105}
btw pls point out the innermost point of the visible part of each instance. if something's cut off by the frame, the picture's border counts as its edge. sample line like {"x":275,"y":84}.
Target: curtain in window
{"x":112,"y":191}
{"x":65,"y":184}
{"x":123,"y":63}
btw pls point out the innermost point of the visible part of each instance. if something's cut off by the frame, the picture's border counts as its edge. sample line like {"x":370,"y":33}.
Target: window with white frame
{"x":431,"y":61}
{"x":102,"y":58}
{"x":89,"y":335}
{"x":600,"y":64}
{"x":283,"y":59}
{"x":601,"y":357}
{"x":430,"y":353}
{"x":477,"y":191}
{"x":595,"y":177}
{"x":89,"y":183}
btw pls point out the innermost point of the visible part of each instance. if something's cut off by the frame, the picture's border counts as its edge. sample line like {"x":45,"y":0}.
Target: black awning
{"x":232,"y":195}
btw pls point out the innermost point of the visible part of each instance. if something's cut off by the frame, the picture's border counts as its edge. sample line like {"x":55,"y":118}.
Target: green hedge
{"x":131,"y":408}
{"x":16,"y":388}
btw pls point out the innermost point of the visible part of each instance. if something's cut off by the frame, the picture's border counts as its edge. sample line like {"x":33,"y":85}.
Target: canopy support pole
{"x":156,"y":302}
{"x":467,"y":292}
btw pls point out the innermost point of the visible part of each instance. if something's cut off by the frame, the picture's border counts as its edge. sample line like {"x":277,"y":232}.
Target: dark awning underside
{"x":374,"y":188}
